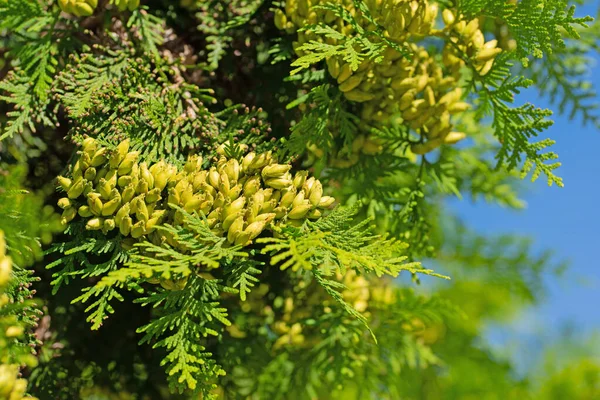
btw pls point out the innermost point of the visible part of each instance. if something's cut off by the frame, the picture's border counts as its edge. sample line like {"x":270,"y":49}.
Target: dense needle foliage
{"x":240,"y":198}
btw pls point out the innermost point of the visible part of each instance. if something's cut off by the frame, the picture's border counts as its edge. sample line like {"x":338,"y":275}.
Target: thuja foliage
{"x":212,"y":199}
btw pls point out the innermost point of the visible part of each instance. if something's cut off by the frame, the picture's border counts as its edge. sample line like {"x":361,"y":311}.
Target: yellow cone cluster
{"x":79,"y":8}
{"x":287,"y":313}
{"x":357,"y":290}
{"x":240,"y":198}
{"x":467,"y":38}
{"x":362,"y":144}
{"x":423,"y":91}
{"x":399,"y":17}
{"x":12,"y":387}
{"x":5,"y":262}
{"x":288,"y":326}
{"x":85,"y":8}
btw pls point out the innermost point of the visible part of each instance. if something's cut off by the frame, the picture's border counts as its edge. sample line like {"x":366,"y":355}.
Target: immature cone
{"x":357,"y":290}
{"x":5,"y":262}
{"x":79,"y":8}
{"x":422,"y":91}
{"x":467,"y":38}
{"x":240,"y":198}
{"x":85,"y":8}
{"x":11,"y":388}
{"x":291,"y":310}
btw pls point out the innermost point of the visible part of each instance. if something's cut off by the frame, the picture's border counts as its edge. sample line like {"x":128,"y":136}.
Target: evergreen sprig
{"x":88,"y":255}
{"x":515,"y":126}
{"x":297,"y":331}
{"x":563,"y":76}
{"x":337,"y":243}
{"x":187,"y":317}
{"x":365,"y":44}
{"x":133,"y":99}
{"x":218,"y":19}
{"x":204,"y":251}
{"x":35,"y":47}
{"x":148,"y":30}
{"x":538,"y":26}
{"x":477,"y":176}
{"x":325,"y":122}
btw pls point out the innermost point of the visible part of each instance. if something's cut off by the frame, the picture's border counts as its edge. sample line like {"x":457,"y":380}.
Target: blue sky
{"x":566,"y":220}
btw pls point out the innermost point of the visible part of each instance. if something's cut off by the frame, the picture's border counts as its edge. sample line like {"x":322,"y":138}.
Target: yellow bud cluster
{"x":361,"y":144}
{"x":12,"y":387}
{"x":422,"y":91}
{"x":467,"y":38}
{"x":383,"y":293}
{"x":5,"y":262}
{"x":79,"y":8}
{"x":240,"y":198}
{"x":85,"y":8}
{"x":357,"y":291}
{"x":286,"y":313}
{"x":400,"y":19}
{"x":290,"y":335}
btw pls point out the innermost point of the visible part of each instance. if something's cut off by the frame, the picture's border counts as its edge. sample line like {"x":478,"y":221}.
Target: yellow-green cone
{"x":240,"y":198}
{"x":407,"y":90}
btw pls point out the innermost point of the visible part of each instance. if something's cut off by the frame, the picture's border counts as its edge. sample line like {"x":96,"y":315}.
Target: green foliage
{"x":15,"y":349}
{"x":218,"y":19}
{"x":35,"y":52}
{"x":204,"y":249}
{"x":151,"y":32}
{"x":538,"y":26}
{"x":515,"y":126}
{"x":562,"y":76}
{"x":367,"y":44}
{"x":88,"y":255}
{"x":294,"y":314}
{"x":325,"y":119}
{"x":186,"y":317}
{"x":188,"y":313}
{"x":89,"y":76}
{"x":568,"y":368}
{"x":577,"y":381}
{"x":35,"y":46}
{"x":344,"y":356}
{"x":96,"y":86}
{"x":243,"y":277}
{"x":26,"y":222}
{"x":310,"y":373}
{"x":337,"y":243}
{"x":476,"y":173}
